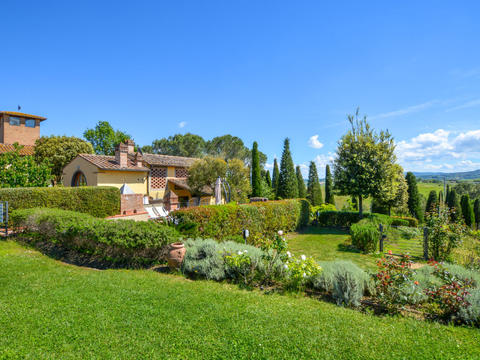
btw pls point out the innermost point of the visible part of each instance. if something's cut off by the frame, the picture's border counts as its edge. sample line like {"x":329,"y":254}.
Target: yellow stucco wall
{"x":136,"y":180}
{"x":80,"y":164}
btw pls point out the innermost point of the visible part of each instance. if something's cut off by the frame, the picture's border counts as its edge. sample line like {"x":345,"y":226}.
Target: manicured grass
{"x":57,"y":311}
{"x":328,"y":244}
{"x":425,"y":188}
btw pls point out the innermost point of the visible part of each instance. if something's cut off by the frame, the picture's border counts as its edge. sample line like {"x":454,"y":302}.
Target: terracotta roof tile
{"x":14,"y":113}
{"x":106,"y":162}
{"x":168,"y":160}
{"x":24,"y":150}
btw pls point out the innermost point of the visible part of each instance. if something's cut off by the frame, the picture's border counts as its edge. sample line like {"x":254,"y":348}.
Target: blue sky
{"x":261,"y":70}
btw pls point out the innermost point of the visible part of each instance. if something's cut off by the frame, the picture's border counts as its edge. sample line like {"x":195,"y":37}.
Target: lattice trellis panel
{"x":159,"y":178}
{"x":181,"y":173}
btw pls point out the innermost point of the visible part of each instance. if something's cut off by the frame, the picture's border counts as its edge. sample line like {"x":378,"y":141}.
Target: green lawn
{"x":57,"y":311}
{"x":425,"y":188}
{"x":328,"y":244}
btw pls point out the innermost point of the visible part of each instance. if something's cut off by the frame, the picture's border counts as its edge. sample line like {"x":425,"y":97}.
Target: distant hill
{"x":467,"y":175}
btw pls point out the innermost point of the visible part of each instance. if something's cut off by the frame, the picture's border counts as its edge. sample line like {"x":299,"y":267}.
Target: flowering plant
{"x":392,"y":279}
{"x":274,"y":251}
{"x":301,"y":270}
{"x":242,"y":264}
{"x":443,"y":234}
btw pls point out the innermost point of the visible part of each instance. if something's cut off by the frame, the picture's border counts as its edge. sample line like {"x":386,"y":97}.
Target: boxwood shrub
{"x":99,"y":201}
{"x":224,"y":222}
{"x":125,"y":242}
{"x":365,"y":236}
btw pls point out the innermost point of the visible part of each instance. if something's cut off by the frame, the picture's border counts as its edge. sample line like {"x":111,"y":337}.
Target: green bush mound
{"x":365,"y":236}
{"x":99,"y":201}
{"x":221,"y":222}
{"x":123,"y":242}
{"x":344,"y":281}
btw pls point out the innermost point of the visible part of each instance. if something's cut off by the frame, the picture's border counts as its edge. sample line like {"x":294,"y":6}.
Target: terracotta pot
{"x":175,"y":255}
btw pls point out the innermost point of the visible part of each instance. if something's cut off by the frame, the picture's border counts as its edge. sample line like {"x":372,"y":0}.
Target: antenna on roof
{"x":19,"y":107}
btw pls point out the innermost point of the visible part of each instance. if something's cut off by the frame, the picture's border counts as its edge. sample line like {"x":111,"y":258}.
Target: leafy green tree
{"x":228,"y":147}
{"x":268,"y":179}
{"x":59,"y":151}
{"x":364,"y":163}
{"x":394,"y":194}
{"x":104,"y":138}
{"x":148,"y":149}
{"x":188,"y":145}
{"x":276,"y":175}
{"x":203,"y":174}
{"x":287,"y":181}
{"x":467,"y":210}
{"x":256,"y":177}
{"x":302,"y":190}
{"x":23,"y":171}
{"x":476,"y":211}
{"x":314,"y":191}
{"x":454,"y":204}
{"x":432,"y":202}
{"x":329,"y":196}
{"x":413,"y":197}
{"x":238,"y":178}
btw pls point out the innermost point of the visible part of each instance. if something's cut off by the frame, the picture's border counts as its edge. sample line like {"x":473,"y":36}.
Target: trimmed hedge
{"x":99,"y":201}
{"x":348,"y":218}
{"x":226,"y":222}
{"x":125,"y":242}
{"x":365,"y":236}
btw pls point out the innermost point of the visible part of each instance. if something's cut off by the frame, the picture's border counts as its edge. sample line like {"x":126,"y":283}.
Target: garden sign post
{"x":4,"y":215}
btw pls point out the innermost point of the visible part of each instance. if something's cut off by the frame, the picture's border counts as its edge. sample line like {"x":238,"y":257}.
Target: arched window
{"x":79,"y":179}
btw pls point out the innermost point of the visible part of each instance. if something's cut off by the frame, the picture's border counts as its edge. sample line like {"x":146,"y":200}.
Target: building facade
{"x":153,"y":175}
{"x":19,"y":128}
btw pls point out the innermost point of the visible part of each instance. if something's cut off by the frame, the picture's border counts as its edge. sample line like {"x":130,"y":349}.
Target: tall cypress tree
{"x":276,"y":175}
{"x":413,"y":197}
{"x":302,"y":190}
{"x":268,"y":179}
{"x":431,"y":202}
{"x":314,"y":191}
{"x":329,"y":196}
{"x":287,"y":181}
{"x":467,"y":210}
{"x":454,"y":205}
{"x":256,"y":177}
{"x":476,"y":211}
{"x":440,"y":198}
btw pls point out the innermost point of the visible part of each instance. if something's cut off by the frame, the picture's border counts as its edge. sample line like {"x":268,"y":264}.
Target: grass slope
{"x":57,"y":311}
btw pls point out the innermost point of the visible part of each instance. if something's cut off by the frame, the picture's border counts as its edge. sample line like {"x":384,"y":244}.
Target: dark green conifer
{"x":302,"y":190}
{"x":432,"y":202}
{"x":276,"y":175}
{"x":413,"y":197}
{"x":329,"y":196}
{"x":467,"y":210}
{"x":287,"y":180}
{"x":256,"y":177}
{"x":314,"y":191}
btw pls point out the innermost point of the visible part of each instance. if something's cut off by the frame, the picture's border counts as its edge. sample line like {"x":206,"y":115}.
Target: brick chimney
{"x":121,"y":155}
{"x":138,"y":160}
{"x":131,"y":146}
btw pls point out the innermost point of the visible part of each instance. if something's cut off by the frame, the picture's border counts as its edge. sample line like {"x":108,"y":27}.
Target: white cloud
{"x":182,"y":124}
{"x":322,"y":161}
{"x":314,"y":143}
{"x":441,"y":150}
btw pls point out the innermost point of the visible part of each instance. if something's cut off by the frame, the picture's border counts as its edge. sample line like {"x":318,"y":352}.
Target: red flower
{"x":416,"y":282}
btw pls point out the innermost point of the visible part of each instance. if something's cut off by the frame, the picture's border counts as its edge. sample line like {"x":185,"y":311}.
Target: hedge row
{"x":348,"y":218}
{"x":99,"y":201}
{"x":226,"y":222}
{"x":125,"y":242}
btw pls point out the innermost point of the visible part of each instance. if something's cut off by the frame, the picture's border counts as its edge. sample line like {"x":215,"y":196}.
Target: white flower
{"x":303,"y":257}
{"x":239,"y":253}
{"x":285,"y":266}
{"x":289,"y":254}
{"x":304,"y":275}
{"x":280,"y":232}
{"x":245,"y":251}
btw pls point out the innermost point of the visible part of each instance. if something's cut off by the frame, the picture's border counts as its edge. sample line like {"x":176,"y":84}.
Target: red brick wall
{"x":21,"y":134}
{"x":131,"y":204}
